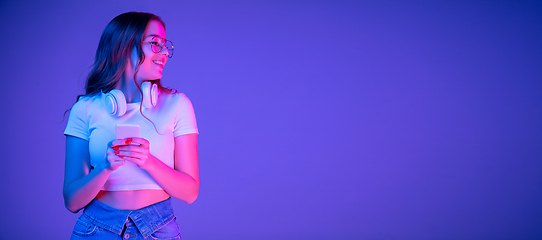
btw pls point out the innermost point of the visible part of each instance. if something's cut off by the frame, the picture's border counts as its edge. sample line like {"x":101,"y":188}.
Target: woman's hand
{"x":135,"y":150}
{"x":113,"y":160}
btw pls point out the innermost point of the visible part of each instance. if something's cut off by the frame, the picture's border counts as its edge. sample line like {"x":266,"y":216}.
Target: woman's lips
{"x":159,"y":63}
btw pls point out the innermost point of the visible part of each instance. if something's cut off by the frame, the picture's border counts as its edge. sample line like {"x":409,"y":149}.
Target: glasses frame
{"x":160,"y":48}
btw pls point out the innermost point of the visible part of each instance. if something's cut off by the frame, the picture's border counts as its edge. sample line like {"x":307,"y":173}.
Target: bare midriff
{"x":133,"y":199}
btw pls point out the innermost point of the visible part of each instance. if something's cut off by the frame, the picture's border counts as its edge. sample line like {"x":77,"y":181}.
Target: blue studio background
{"x":317,"y":119}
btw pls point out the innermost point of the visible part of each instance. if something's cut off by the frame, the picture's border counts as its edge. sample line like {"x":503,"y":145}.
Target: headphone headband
{"x":115,"y":102}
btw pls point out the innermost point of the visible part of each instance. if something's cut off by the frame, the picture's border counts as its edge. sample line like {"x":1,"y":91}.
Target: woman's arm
{"x":183,"y":181}
{"x":80,"y":184}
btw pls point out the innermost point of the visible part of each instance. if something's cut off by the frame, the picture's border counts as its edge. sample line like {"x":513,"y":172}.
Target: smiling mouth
{"x":159,"y":63}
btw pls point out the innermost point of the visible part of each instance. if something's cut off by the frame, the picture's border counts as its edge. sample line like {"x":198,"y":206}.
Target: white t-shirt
{"x":172,"y":116}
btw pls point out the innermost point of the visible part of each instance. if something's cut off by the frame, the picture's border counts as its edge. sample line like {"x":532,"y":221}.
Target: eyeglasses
{"x":158,"y":43}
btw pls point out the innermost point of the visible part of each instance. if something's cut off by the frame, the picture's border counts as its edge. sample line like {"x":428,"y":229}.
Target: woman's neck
{"x":129,"y":88}
{"x":127,"y":84}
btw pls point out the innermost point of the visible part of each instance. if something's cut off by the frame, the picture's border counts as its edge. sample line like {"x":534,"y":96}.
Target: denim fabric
{"x":100,"y":221}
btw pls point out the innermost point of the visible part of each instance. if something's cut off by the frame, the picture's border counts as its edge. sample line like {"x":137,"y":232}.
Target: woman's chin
{"x":159,"y":75}
{"x":149,"y":77}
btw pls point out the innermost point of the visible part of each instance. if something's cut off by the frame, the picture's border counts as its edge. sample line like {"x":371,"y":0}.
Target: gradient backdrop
{"x":317,"y":119}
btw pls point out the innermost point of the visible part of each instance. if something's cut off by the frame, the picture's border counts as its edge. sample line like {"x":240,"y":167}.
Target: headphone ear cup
{"x":150,"y":94}
{"x":114,"y":102}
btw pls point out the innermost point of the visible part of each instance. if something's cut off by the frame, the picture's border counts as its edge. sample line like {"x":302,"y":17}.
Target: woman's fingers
{"x":140,"y":141}
{"x":138,"y":158}
{"x":135,"y":150}
{"x":135,"y":141}
{"x":116,"y":164}
{"x":138,"y":145}
{"x":114,"y":160}
{"x":137,"y":161}
{"x":135,"y":157}
{"x":132,"y":148}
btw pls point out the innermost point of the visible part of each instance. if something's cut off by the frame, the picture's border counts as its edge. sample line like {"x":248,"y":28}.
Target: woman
{"x":125,"y":184}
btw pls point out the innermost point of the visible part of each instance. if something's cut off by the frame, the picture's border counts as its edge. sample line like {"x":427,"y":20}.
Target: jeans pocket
{"x":84,"y":229}
{"x":169,"y":231}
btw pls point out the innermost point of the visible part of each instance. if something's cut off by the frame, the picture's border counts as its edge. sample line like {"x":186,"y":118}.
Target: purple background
{"x":317,"y":119}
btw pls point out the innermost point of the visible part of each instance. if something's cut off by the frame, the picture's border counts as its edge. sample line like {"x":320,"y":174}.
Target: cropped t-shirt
{"x":173,"y":116}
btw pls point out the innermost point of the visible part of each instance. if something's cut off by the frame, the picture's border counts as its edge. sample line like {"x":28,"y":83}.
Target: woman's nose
{"x":165,"y":51}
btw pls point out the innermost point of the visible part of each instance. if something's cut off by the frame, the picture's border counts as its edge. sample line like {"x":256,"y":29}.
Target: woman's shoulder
{"x":80,"y":109}
{"x":86,"y":101}
{"x":175,"y":97}
{"x":177,"y":102}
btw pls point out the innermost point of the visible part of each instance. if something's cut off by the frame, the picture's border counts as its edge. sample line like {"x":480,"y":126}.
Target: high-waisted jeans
{"x":100,"y":221}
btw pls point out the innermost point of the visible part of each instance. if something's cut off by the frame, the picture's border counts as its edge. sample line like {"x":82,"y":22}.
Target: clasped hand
{"x":134,"y":149}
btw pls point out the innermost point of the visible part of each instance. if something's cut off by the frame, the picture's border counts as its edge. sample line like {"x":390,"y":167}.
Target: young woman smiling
{"x":124,"y":185}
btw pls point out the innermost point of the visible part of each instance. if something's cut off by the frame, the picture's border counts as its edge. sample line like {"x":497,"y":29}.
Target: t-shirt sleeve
{"x":78,"y":121}
{"x":186,"y":119}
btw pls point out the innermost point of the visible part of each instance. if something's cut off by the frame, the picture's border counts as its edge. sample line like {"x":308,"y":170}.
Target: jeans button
{"x":126,"y":235}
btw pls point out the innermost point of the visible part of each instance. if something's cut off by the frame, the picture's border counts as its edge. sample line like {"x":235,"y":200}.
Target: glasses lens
{"x":169,"y":46}
{"x":157,"y":43}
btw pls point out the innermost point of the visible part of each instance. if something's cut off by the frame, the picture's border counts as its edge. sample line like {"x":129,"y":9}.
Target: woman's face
{"x":152,"y":66}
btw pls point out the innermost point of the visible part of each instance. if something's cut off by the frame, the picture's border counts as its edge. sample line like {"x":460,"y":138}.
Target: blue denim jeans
{"x":100,"y":221}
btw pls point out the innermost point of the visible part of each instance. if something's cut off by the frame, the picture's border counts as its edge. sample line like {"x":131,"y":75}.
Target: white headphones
{"x":115,"y":102}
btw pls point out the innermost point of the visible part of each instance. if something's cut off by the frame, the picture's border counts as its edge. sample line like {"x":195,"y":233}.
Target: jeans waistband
{"x":147,"y":220}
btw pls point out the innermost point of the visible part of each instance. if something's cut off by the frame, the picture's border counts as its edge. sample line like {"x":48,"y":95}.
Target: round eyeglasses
{"x":158,"y":43}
